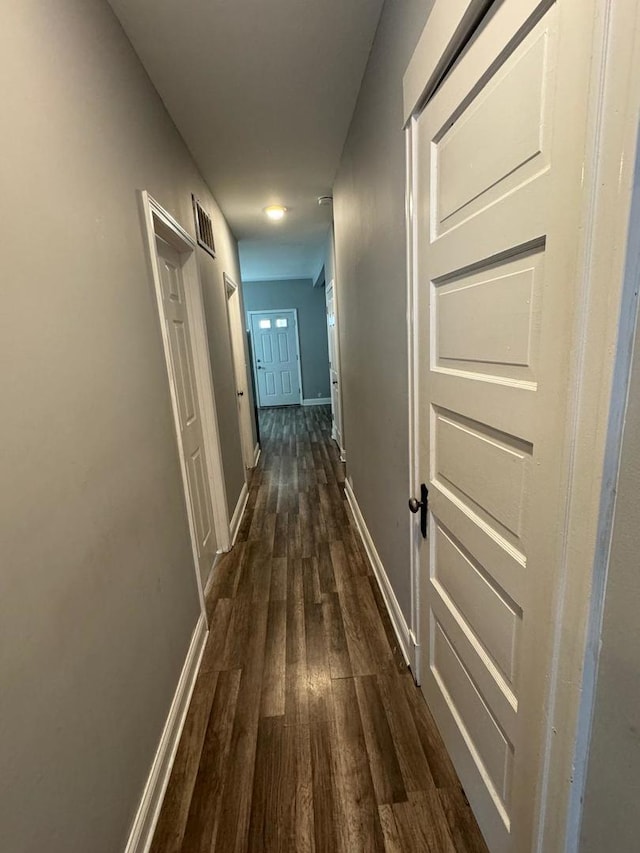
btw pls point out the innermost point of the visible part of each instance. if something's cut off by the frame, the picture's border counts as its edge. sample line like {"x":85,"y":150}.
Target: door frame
{"x":253,"y":350}
{"x":607,"y":311}
{"x":331,"y":286}
{"x":157,"y":222}
{"x":237,"y":338}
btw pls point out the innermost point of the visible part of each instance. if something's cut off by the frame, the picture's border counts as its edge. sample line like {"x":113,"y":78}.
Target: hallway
{"x":305,"y":730}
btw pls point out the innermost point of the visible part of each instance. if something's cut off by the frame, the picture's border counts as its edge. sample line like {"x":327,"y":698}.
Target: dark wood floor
{"x":306,"y":731}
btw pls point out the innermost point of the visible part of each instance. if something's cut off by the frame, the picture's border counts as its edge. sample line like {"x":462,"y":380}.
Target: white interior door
{"x":275,"y":353}
{"x":497,"y":159}
{"x":240,"y":367}
{"x":189,"y":417}
{"x":334,"y":366}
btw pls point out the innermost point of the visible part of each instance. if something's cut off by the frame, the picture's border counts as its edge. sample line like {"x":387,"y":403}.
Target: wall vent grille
{"x":204,"y":228}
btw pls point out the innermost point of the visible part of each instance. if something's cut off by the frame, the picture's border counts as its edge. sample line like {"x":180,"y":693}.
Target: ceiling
{"x":262,"y":92}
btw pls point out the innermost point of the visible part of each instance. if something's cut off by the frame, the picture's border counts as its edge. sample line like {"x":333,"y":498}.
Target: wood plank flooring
{"x":306,"y":731}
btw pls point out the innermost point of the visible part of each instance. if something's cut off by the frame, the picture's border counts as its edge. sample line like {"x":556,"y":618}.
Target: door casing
{"x":608,"y":272}
{"x":157,"y":222}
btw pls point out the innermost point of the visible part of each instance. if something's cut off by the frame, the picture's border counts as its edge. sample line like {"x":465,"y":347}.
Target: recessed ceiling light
{"x":275,"y":211}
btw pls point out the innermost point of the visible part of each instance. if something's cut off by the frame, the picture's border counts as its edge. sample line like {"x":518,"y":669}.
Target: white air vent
{"x":204,"y":228}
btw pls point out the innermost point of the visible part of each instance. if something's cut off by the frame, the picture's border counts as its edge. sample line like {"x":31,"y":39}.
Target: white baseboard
{"x":238,"y":512}
{"x":317,"y":401}
{"x":146,"y":818}
{"x":256,"y":454}
{"x":398,"y":621}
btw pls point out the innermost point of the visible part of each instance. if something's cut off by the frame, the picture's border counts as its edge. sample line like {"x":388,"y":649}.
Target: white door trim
{"x":253,"y":348}
{"x":448,"y":26}
{"x":240,"y":359}
{"x":604,"y":331}
{"x":159,"y":223}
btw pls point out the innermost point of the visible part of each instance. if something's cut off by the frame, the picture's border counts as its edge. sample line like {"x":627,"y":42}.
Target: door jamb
{"x":158,"y":222}
{"x":604,"y":327}
{"x":253,"y":348}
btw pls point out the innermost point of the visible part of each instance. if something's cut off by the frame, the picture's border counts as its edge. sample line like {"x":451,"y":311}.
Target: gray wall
{"x":312,"y":325}
{"x":371,"y":274}
{"x":611,"y":817}
{"x":97,"y":588}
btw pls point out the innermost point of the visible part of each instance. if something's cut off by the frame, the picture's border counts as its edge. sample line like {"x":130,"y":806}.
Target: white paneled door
{"x":276,"y":357}
{"x":189,"y":418}
{"x":496,"y":162}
